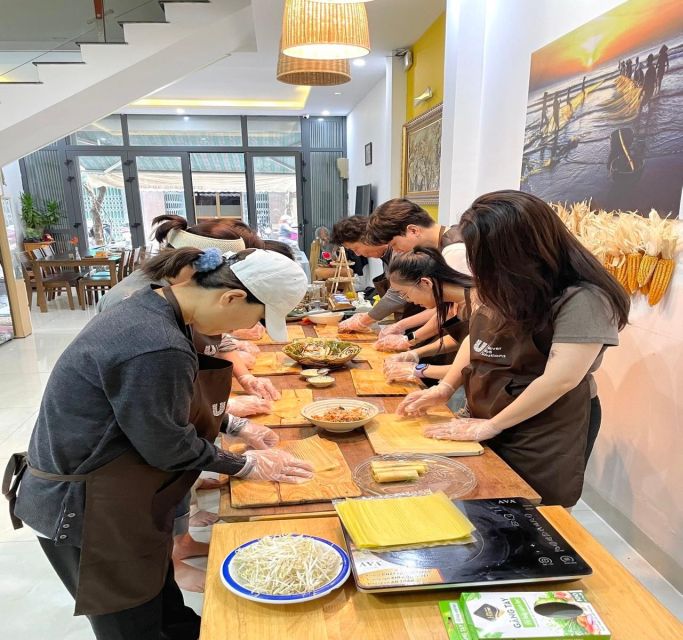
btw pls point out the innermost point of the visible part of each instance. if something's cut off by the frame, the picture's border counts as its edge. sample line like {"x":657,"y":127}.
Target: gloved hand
{"x":245,"y":406}
{"x":261,"y":387}
{"x":475,"y":429}
{"x":406,"y":356}
{"x":391,"y":330}
{"x":254,"y":333}
{"x":257,"y":436}
{"x":246,"y":347}
{"x":359,"y":322}
{"x":277,"y":465}
{"x":399,"y":371}
{"x":247,"y":359}
{"x":417,"y":402}
{"x":392,"y":343}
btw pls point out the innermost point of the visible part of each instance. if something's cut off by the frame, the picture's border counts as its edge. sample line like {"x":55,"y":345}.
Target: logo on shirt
{"x":219,"y":408}
{"x":210,"y":350}
{"x":487,"y":351}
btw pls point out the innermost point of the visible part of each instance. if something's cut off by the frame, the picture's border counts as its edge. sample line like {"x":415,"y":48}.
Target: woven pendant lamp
{"x":312,"y":73}
{"x":324,"y":31}
{"x":339,"y":1}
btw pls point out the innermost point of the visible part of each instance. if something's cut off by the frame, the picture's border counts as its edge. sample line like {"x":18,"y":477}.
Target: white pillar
{"x":395,"y":95}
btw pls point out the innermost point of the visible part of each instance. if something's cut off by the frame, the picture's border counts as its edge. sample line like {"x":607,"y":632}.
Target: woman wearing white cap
{"x":114,"y":448}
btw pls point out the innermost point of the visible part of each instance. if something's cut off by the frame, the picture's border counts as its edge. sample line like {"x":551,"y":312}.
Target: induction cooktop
{"x":513,"y":543}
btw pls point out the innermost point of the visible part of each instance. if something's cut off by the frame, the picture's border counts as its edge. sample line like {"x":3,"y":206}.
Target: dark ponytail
{"x":166,"y":224}
{"x":426,"y":262}
{"x":169,"y":263}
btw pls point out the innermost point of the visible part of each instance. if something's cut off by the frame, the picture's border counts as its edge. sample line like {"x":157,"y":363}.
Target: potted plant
{"x":32,"y":219}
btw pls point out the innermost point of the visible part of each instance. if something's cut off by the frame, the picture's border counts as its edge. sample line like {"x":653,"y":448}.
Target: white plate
{"x":232,"y":583}
{"x":348,"y":403}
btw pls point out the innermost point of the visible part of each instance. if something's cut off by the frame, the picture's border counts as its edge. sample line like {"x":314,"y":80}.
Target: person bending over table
{"x":115,"y":448}
{"x":548,"y":311}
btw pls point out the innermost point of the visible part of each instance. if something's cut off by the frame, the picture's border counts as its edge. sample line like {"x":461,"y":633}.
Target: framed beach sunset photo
{"x":605,"y":111}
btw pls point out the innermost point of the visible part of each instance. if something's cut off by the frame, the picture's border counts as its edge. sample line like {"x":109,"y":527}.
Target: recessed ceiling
{"x":246,"y":79}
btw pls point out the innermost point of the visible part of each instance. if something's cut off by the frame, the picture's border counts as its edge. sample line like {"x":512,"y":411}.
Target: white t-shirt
{"x":456,"y":257}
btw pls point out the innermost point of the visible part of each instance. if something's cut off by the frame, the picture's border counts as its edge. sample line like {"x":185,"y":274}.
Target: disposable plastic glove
{"x":417,"y":402}
{"x":261,"y":387}
{"x":277,"y":465}
{"x":399,"y":371}
{"x":359,"y":322}
{"x":247,"y":359}
{"x":245,"y":406}
{"x":246,"y":347}
{"x":392,"y":343}
{"x":254,"y":333}
{"x":391,"y":330}
{"x":406,"y":356}
{"x":475,"y":429}
{"x":257,"y":436}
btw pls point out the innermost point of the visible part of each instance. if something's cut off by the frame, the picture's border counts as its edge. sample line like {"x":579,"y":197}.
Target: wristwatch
{"x":420,"y":370}
{"x":410,"y":335}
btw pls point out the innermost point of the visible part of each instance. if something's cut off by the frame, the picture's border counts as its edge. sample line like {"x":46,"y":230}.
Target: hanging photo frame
{"x":421,"y":157}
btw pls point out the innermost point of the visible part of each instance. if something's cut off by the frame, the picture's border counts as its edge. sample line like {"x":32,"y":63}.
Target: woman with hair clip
{"x":548,"y":311}
{"x":116,"y":445}
{"x":423,"y":278}
{"x":174,"y":266}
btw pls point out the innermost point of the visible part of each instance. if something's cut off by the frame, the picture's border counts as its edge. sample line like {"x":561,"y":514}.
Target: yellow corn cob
{"x":660,"y":280}
{"x":621,"y":274}
{"x":646,"y":269}
{"x":645,"y":289}
{"x":633,"y":262}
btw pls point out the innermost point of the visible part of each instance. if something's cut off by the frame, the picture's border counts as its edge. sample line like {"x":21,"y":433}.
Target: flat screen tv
{"x":363,"y":200}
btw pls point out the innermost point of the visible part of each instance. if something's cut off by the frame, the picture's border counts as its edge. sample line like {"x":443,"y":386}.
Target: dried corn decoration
{"x":663,"y":272}
{"x":638,"y":251}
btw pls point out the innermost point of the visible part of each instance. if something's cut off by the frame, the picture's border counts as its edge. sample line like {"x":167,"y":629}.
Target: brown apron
{"x":458,"y":327}
{"x":129,"y":505}
{"x":448,"y":236}
{"x":547,"y":450}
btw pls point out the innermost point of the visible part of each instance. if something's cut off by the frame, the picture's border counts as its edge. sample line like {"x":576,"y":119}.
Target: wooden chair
{"x":90,"y":287}
{"x":53,"y":283}
{"x":132,"y":263}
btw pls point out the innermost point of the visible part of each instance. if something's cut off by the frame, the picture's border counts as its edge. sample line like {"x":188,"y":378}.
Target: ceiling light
{"x":321,"y":119}
{"x":180,"y":111}
{"x":297,"y":102}
{"x":337,"y":93}
{"x":312,"y":73}
{"x":359,"y":62}
{"x":323,"y":31}
{"x":326,"y":112}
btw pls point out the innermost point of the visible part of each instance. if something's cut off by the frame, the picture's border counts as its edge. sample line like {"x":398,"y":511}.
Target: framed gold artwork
{"x":421,"y":163}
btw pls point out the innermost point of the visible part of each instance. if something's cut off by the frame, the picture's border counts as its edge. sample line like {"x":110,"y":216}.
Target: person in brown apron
{"x":527,"y":379}
{"x":115,"y":415}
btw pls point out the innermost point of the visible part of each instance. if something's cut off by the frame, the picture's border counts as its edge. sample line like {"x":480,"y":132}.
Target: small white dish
{"x":321,"y":382}
{"x":329,"y":318}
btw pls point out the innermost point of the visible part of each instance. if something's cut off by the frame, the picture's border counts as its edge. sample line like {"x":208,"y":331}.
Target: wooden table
{"x":495,"y":479}
{"x":58,"y":261}
{"x":628,"y":609}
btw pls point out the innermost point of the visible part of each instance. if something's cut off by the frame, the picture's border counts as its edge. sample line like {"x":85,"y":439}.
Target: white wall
{"x":365,"y":124}
{"x":635,"y":475}
{"x":12,"y":189}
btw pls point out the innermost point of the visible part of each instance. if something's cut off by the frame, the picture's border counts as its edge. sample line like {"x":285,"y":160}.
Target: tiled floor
{"x":29,"y":589}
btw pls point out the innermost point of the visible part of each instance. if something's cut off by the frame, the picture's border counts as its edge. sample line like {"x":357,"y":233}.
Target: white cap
{"x":178,"y":239}
{"x":278,"y":282}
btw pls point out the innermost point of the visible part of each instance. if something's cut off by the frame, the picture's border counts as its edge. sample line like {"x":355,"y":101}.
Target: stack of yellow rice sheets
{"x":404,"y":522}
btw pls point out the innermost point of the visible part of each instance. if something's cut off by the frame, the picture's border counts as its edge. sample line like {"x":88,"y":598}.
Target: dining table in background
{"x":66,"y":261}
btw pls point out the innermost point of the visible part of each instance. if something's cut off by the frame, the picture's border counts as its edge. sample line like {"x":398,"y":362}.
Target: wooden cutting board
{"x":274,"y":364}
{"x":389,"y":433}
{"x":287,"y":410}
{"x":373,"y":357}
{"x":324,"y":486}
{"x":330,"y":331}
{"x":371,"y":382}
{"x":295,"y":332}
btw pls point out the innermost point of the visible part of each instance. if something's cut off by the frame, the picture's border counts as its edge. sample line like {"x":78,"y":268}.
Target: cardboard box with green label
{"x":545,"y":615}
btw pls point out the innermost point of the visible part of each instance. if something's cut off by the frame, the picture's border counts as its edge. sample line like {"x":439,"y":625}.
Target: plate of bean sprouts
{"x":285,"y":569}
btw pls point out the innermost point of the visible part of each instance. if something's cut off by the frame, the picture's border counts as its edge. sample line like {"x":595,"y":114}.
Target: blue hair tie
{"x":208,"y":260}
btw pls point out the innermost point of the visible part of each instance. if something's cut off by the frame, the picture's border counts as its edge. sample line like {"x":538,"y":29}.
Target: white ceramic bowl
{"x":316,"y":408}
{"x":331,"y":317}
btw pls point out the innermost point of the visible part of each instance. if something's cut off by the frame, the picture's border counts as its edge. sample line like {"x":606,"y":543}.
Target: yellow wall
{"x":427,"y":71}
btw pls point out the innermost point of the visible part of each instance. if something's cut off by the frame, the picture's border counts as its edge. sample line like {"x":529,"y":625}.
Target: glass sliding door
{"x":277,"y":197}
{"x":161,"y":187}
{"x":219,"y":185}
{"x":103,"y":199}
